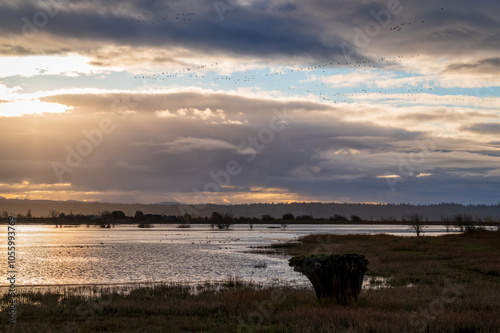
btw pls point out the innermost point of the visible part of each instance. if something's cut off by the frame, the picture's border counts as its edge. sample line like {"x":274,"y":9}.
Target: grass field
{"x":448,"y":283}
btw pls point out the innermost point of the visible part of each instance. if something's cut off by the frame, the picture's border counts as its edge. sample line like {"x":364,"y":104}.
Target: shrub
{"x":339,"y":218}
{"x":356,"y":218}
{"x":139,"y":215}
{"x":118,"y":215}
{"x":221,"y":222}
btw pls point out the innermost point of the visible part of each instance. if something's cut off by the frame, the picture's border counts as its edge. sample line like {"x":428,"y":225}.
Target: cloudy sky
{"x":240,"y":101}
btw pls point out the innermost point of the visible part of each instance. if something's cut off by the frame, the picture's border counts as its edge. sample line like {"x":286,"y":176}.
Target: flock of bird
{"x":402,"y":25}
{"x":209,"y":72}
{"x":321,"y":68}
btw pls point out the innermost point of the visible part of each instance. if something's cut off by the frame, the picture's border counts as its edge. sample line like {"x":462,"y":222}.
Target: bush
{"x":339,"y":218}
{"x":118,"y":215}
{"x":139,"y":215}
{"x":221,"y":222}
{"x":356,"y":218}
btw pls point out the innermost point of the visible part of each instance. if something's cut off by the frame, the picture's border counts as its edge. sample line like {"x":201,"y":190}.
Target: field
{"x":449,"y":283}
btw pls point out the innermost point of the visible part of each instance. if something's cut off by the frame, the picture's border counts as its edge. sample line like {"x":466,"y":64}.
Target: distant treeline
{"x":224,"y":220}
{"x":319,"y":211}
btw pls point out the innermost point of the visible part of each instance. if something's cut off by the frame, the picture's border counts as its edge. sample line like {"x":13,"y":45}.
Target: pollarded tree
{"x":335,"y":277}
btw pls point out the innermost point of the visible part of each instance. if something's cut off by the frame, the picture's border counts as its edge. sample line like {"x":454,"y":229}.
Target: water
{"x":46,"y":255}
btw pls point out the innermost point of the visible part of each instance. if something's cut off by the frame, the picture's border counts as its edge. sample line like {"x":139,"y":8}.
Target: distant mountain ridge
{"x":169,"y":203}
{"x":374,"y":212}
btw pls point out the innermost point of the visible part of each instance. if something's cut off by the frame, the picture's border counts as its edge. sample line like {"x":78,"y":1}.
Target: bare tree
{"x":53,"y":213}
{"x":416,"y":224}
{"x":463,"y":222}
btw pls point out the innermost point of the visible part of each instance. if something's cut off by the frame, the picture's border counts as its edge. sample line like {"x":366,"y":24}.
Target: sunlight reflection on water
{"x":126,"y":254}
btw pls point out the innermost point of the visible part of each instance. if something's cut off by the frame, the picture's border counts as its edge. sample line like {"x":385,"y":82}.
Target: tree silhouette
{"x":416,"y":224}
{"x":54,"y":213}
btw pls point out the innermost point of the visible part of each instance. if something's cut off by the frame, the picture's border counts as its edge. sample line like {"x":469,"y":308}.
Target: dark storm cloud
{"x":489,"y":65}
{"x":312,"y":30}
{"x":425,"y":190}
{"x":247,"y":30}
{"x":492,"y":40}
{"x":484,"y":128}
{"x":445,"y":115}
{"x":453,"y":33}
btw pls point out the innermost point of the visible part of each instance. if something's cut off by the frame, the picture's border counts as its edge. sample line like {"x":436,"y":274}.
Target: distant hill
{"x":374,"y":212}
{"x":169,"y":203}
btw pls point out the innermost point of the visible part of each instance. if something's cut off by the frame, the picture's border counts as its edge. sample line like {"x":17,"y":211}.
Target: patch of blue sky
{"x":33,"y":84}
{"x":287,"y":81}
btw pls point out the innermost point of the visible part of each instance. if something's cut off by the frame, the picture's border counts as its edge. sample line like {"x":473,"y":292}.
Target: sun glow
{"x":19,"y":108}
{"x":70,"y":65}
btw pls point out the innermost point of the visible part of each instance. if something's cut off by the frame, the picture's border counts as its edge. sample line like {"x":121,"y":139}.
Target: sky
{"x":244,"y":101}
